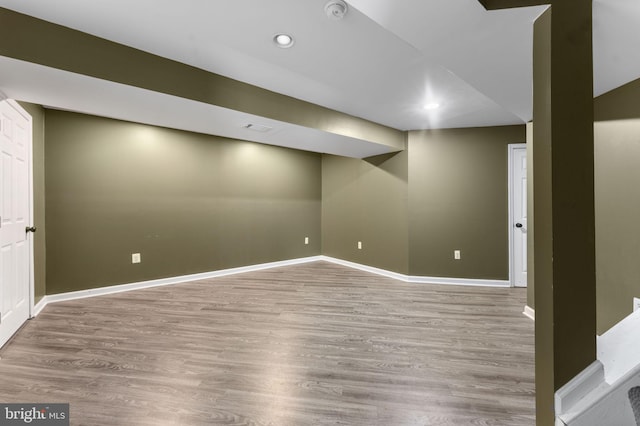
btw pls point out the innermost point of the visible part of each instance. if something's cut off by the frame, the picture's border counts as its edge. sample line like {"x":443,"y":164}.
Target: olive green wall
{"x":458,"y":200}
{"x":366,"y":200}
{"x":188,"y":203}
{"x":617,"y":153}
{"x":618,"y":104}
{"x":39,"y":247}
{"x":193,"y":203}
{"x":617,"y":178}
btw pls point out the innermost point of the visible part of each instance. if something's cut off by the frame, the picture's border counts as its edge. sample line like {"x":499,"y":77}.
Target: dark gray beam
{"x":40,"y":42}
{"x":509,"y":4}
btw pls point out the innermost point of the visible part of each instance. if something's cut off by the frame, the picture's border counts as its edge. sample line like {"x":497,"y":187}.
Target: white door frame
{"x":511,"y":148}
{"x":16,"y":106}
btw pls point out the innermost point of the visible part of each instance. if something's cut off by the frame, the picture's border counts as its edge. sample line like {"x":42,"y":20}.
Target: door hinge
{"x":30,"y":229}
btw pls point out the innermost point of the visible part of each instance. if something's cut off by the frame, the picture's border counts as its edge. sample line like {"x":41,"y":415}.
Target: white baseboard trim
{"x":39,"y":306}
{"x":529,"y":313}
{"x":61,"y":297}
{"x":459,"y":281}
{"x":365,"y":268}
{"x":73,"y":295}
{"x":419,"y":279}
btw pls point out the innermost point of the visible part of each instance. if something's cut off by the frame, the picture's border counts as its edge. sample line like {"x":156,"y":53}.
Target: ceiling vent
{"x":258,"y":127}
{"x":336,"y":9}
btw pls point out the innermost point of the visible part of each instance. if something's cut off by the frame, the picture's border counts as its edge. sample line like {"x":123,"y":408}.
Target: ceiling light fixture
{"x":431,"y":105}
{"x":336,"y":9}
{"x":283,"y":41}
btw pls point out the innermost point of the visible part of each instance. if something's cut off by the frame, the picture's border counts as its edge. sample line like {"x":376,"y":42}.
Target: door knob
{"x":30,"y":229}
{"x":518,"y":225}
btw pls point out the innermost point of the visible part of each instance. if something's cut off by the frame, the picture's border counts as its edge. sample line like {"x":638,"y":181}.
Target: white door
{"x":15,"y":216}
{"x":518,"y":162}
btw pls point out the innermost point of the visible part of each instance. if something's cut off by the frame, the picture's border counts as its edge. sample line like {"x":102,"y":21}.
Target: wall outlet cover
{"x":135,"y":258}
{"x":636,"y":303}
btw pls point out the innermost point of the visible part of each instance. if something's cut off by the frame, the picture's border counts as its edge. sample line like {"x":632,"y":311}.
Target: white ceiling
{"x":382,"y":62}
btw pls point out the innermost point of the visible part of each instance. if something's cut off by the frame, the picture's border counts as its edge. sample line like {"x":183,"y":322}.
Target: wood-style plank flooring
{"x":312,"y":344}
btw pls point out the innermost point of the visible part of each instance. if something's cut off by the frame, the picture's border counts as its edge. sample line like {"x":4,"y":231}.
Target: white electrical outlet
{"x":456,"y":254}
{"x":359,"y":245}
{"x":306,"y":240}
{"x":636,"y":303}
{"x":135,"y":258}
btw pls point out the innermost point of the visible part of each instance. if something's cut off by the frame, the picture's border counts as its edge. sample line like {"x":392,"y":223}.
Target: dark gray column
{"x":565,"y":284}
{"x":563,"y":199}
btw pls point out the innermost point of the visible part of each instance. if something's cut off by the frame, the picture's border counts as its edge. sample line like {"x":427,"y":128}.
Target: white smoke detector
{"x":336,"y":9}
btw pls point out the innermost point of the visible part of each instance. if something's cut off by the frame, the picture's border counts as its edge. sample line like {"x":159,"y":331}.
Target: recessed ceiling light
{"x":283,"y":40}
{"x":431,"y":105}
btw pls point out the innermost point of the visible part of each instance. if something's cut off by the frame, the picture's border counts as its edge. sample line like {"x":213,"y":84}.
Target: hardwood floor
{"x":312,"y":344}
